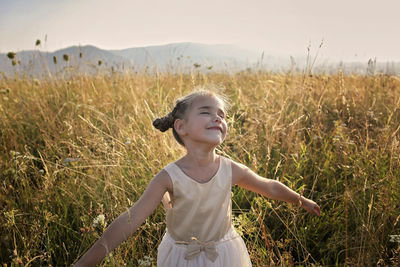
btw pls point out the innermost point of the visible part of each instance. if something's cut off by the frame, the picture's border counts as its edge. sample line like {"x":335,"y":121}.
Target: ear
{"x":179,"y":126}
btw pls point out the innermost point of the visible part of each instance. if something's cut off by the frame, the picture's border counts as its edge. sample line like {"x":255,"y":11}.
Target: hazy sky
{"x":351,"y":29}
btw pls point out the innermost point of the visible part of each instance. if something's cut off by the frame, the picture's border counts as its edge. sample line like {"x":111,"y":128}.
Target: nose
{"x":217,"y":119}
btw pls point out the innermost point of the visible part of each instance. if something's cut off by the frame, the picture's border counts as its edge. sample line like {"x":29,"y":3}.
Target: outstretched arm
{"x":128,"y":222}
{"x":244,"y":177}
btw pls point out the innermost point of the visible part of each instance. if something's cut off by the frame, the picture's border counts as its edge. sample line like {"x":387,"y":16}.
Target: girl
{"x":196,"y":191}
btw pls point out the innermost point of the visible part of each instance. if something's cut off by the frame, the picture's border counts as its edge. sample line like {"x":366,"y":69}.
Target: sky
{"x":349,"y":30}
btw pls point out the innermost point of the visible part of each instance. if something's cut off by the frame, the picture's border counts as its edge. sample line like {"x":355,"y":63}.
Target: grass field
{"x":75,"y":150}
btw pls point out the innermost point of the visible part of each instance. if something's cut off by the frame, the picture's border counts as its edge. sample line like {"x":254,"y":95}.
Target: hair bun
{"x":164,"y":123}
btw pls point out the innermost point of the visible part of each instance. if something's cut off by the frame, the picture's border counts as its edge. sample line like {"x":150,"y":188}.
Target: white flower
{"x":99,"y":221}
{"x":146,"y":262}
{"x":394,"y":238}
{"x":14,"y":153}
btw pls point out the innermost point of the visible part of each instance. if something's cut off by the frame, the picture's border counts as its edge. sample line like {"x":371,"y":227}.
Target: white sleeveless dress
{"x":199,"y":229}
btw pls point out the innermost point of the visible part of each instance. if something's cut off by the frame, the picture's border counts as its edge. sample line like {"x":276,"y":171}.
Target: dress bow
{"x":195,"y":247}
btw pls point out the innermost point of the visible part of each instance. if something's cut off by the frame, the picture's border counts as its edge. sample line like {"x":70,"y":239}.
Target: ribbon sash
{"x":195,"y":247}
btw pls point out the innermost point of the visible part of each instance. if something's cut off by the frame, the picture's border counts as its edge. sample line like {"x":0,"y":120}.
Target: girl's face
{"x":205,"y":121}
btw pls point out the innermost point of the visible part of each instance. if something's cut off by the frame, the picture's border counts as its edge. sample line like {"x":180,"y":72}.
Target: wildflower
{"x":55,"y":59}
{"x":394,"y":238}
{"x":14,"y":153}
{"x":146,"y":261}
{"x":65,"y":57}
{"x":38,"y":42}
{"x":10,"y":217}
{"x":99,"y":221}
{"x":100,"y":62}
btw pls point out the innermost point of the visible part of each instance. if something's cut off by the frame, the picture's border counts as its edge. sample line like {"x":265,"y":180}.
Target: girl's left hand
{"x":310,"y":206}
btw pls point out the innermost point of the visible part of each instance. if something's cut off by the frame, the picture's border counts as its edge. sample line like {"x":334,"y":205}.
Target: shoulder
{"x":239,"y":171}
{"x":162,"y":179}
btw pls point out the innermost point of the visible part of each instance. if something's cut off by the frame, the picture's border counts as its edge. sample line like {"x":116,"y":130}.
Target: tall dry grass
{"x":73,"y":149}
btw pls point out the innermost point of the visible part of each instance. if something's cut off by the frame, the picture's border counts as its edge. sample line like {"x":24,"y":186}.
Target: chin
{"x":216,"y":142}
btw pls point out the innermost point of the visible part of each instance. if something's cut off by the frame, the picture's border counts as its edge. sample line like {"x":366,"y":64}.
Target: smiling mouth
{"x":215,"y":128}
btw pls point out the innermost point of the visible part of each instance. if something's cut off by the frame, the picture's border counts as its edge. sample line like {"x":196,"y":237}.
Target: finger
{"x":317,"y":210}
{"x":311,"y":210}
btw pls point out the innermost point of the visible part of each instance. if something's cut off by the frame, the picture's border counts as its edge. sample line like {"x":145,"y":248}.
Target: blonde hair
{"x":182,"y":105}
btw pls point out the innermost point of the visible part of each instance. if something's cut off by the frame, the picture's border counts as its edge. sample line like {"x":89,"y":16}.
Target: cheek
{"x":225,"y":126}
{"x":201,"y":120}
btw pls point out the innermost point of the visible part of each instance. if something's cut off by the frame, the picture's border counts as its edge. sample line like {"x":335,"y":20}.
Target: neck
{"x":200,"y":156}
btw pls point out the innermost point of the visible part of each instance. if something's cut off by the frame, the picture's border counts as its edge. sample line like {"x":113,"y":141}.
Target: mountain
{"x":176,"y":57}
{"x":90,"y":59}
